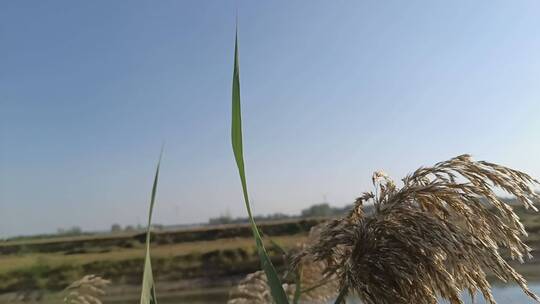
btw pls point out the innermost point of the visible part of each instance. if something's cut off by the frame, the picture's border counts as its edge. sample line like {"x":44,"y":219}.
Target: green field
{"x":208,"y":254}
{"x":210,"y":257}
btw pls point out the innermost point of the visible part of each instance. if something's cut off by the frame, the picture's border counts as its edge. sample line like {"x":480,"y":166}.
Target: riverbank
{"x":198,"y":264}
{"x":204,"y":253}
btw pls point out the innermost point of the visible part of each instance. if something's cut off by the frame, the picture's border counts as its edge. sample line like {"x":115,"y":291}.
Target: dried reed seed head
{"x":433,"y":238}
{"x":316,"y":287}
{"x":254,"y":289}
{"x":86,"y":290}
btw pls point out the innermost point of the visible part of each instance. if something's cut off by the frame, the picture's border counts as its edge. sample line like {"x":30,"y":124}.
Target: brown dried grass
{"x":253,"y":289}
{"x":316,"y":289}
{"x":87,"y":290}
{"x":435,"y":237}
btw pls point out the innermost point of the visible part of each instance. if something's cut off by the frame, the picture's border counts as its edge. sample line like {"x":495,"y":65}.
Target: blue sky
{"x":331,"y":91}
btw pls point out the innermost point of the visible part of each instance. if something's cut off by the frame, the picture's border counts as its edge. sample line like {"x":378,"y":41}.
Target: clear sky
{"x":331,"y":91}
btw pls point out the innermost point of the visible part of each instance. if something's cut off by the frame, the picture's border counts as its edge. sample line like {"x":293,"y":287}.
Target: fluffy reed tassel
{"x":253,"y":289}
{"x":316,"y":289}
{"x":86,"y":290}
{"x":433,"y":238}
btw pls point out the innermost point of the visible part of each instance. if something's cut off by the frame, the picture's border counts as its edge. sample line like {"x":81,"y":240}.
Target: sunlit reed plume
{"x":316,"y":289}
{"x":253,"y":289}
{"x":87,"y":290}
{"x":435,"y":237}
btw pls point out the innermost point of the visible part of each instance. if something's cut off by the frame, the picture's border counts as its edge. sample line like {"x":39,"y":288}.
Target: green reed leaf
{"x":148,"y":293}
{"x":341,"y":296}
{"x":298,"y":283}
{"x":236,"y":135}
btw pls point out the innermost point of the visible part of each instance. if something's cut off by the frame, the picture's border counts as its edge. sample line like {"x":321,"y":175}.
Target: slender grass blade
{"x":236,"y":135}
{"x":148,"y":293}
{"x":298,"y":283}
{"x":341,"y":297}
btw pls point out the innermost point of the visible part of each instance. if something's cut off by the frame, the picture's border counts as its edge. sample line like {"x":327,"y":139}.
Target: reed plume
{"x":435,"y":237}
{"x":86,"y":290}
{"x":316,"y":289}
{"x":254,"y":289}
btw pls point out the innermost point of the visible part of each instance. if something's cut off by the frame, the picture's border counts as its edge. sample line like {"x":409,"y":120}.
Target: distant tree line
{"x":75,"y":230}
{"x":116,"y":228}
{"x":318,"y":210}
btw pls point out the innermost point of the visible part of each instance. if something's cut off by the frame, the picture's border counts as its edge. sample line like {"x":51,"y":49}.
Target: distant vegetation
{"x":213,"y":254}
{"x":318,"y":210}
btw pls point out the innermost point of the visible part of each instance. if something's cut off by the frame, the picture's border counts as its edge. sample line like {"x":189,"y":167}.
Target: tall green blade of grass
{"x":148,"y":293}
{"x":298,"y":283}
{"x":341,"y":296}
{"x":236,"y":134}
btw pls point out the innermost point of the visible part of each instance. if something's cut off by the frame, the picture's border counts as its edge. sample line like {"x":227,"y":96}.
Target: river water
{"x":504,"y":294}
{"x":510,"y":294}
